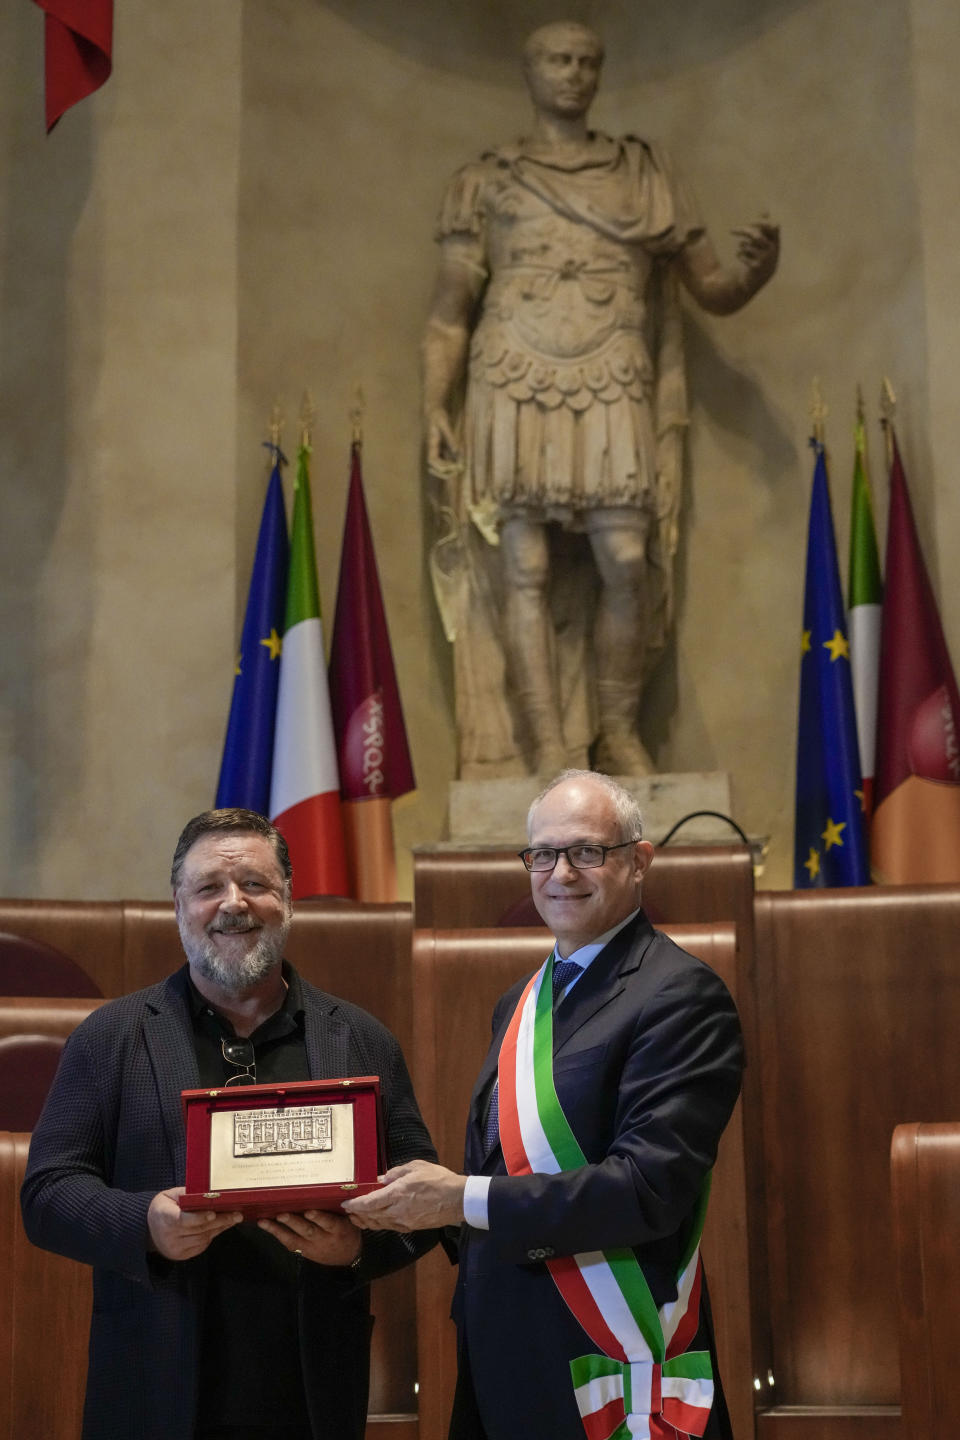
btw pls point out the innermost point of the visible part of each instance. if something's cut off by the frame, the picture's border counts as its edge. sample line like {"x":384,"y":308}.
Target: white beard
{"x":235,"y":977}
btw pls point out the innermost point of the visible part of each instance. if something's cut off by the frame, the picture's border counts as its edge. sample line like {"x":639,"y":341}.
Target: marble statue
{"x":554,"y":410}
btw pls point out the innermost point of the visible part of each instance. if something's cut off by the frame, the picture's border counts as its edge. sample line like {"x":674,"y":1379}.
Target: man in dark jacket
{"x":205,"y":1327}
{"x":593,"y":1126}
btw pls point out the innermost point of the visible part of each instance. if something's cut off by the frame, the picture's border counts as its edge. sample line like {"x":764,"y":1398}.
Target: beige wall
{"x":246,"y":210}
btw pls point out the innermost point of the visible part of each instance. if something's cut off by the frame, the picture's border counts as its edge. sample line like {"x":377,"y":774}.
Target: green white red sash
{"x":646,"y":1383}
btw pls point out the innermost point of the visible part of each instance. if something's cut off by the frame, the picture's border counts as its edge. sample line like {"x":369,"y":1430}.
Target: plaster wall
{"x":246,"y":211}
{"x":118,"y":239}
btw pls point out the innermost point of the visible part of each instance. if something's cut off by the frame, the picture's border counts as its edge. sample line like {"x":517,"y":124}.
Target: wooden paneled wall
{"x":44,"y":1319}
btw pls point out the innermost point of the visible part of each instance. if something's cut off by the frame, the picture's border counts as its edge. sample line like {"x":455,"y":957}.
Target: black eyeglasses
{"x":238,"y":1052}
{"x":581,"y":857}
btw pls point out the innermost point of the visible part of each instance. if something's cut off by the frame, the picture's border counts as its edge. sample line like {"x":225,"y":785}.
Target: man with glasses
{"x":206,"y":1328}
{"x":593,"y":1127}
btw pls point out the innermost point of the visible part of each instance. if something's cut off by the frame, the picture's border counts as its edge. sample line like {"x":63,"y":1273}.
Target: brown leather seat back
{"x":859,"y":995}
{"x":29,"y":966}
{"x":925,"y":1179}
{"x":28,"y":1064}
{"x":89,"y":932}
{"x":476,"y":889}
{"x":151,"y":943}
{"x":32,"y":1035}
{"x":360,"y":952}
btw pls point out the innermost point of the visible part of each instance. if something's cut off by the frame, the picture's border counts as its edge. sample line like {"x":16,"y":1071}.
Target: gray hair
{"x":233,"y":821}
{"x":626,"y":807}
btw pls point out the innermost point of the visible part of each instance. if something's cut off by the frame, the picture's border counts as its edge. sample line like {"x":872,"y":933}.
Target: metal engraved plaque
{"x":296,"y":1130}
{"x":278,"y":1147}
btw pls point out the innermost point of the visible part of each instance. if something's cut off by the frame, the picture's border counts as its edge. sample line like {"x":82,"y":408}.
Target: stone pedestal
{"x":494,"y":812}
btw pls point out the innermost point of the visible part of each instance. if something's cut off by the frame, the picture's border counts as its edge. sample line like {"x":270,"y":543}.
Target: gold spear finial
{"x":818,"y":410}
{"x":356,"y":415}
{"x":308,"y":413}
{"x":888,"y":400}
{"x":276,"y":424}
{"x":888,"y":410}
{"x":859,"y":430}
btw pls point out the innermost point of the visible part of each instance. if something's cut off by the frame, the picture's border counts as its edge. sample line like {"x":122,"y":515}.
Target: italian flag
{"x":864,"y":607}
{"x":305,"y":786}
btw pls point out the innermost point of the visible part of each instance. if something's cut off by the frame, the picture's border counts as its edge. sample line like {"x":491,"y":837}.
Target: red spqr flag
{"x":79,"y":48}
{"x":372,"y":750}
{"x":915,"y":835}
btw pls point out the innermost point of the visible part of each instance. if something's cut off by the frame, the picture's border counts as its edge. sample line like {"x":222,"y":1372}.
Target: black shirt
{"x":249,"y":1334}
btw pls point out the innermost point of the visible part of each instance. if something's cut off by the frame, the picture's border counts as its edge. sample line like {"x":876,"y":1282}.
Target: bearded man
{"x":205,"y":1327}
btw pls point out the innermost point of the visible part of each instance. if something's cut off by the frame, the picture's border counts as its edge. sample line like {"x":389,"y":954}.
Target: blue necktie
{"x":563,"y":972}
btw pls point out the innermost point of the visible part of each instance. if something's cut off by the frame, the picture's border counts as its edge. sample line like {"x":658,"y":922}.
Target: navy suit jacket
{"x":111,"y":1136}
{"x":647,"y":1065}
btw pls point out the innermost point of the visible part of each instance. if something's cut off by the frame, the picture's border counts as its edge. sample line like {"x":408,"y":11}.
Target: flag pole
{"x":864,"y":602}
{"x":356,"y":417}
{"x":888,"y":410}
{"x":818,"y":411}
{"x":275,"y":428}
{"x":308,"y":414}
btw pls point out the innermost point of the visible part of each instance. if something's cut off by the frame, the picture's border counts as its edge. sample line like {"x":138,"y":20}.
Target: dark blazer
{"x":111,"y":1136}
{"x":647,"y":1065}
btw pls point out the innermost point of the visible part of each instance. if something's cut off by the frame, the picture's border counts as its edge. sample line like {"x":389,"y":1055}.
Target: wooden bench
{"x":858,"y":996}
{"x":925,"y":1186}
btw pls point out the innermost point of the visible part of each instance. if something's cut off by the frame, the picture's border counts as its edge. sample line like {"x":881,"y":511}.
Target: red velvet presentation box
{"x":277,"y":1149}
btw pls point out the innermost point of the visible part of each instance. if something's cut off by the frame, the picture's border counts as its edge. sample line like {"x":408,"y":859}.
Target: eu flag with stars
{"x":830,"y":845}
{"x":248,"y":749}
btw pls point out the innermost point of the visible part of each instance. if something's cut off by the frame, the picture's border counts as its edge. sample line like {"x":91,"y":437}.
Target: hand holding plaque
{"x":318,"y":1235}
{"x":414,"y":1196}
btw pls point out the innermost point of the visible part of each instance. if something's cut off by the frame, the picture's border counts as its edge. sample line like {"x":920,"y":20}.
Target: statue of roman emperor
{"x":554,"y":408}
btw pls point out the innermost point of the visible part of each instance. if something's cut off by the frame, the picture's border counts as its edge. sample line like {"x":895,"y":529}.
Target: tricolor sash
{"x":646,"y":1383}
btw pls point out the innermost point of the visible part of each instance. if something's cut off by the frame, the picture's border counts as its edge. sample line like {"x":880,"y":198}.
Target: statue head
{"x":561,"y":65}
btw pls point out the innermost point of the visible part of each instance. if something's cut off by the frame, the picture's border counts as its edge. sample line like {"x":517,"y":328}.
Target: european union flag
{"x":248,"y":749}
{"x":830,"y":845}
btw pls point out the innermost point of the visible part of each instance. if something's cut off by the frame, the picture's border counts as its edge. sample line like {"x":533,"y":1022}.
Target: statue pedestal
{"x":494,"y":812}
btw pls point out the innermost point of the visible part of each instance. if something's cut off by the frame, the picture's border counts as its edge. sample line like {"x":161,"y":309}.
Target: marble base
{"x":494,"y":812}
